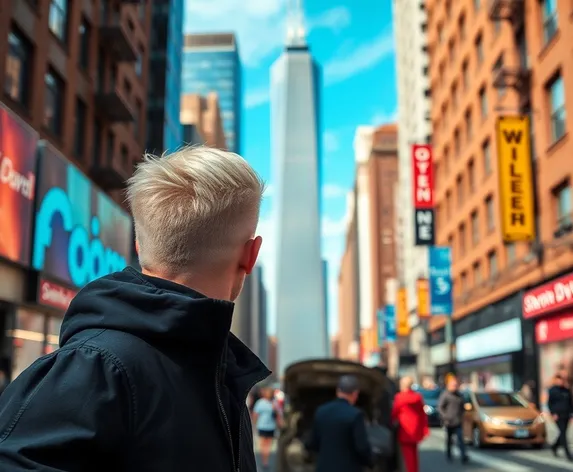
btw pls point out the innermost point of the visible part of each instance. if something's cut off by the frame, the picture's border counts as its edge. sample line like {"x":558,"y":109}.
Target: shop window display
{"x":53,"y":337}
{"x":554,"y":358}
{"x":28,"y":340}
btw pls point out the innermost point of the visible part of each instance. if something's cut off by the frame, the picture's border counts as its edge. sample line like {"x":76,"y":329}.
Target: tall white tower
{"x":299,"y":303}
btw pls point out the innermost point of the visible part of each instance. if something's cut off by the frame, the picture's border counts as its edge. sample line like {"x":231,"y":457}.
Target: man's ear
{"x":250,"y":254}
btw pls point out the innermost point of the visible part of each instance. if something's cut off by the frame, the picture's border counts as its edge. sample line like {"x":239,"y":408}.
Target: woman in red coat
{"x":408,"y":413}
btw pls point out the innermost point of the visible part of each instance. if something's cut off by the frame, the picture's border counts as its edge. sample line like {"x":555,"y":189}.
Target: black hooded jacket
{"x":148,"y":378}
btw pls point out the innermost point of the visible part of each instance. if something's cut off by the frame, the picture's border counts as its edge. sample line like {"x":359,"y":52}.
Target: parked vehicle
{"x":309,"y":384}
{"x":495,"y":418}
{"x":431,"y":398}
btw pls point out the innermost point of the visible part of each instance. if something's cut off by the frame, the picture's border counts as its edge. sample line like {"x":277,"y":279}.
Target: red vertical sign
{"x":423,"y":173}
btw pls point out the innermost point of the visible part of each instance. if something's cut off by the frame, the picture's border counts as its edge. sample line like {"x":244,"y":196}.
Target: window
{"x":448,"y":204}
{"x":460,"y":190}
{"x":562,"y":197}
{"x":492,"y":263}
{"x":139,"y":62}
{"x":464,"y":281}
{"x":124,"y":157}
{"x":510,"y":253}
{"x":496,"y":68}
{"x":475,"y":228}
{"x":454,"y":95}
{"x":477,"y":273}
{"x":18,"y":68}
{"x":98,"y":137}
{"x":441,"y":33}
{"x":465,"y":75}
{"x":486,"y":151}
{"x":462,"y":239}
{"x":452,"y":50}
{"x":462,"y":26}
{"x":483,"y":102}
{"x":85,"y":35}
{"x":110,"y":146}
{"x":457,"y":143}
{"x":471,"y":177}
{"x":58,"y":20}
{"x":80,"y":131}
{"x":549,"y":8}
{"x":489,"y":214}
{"x":556,"y":94}
{"x":468,"y":120}
{"x":479,"y":49}
{"x":53,"y":103}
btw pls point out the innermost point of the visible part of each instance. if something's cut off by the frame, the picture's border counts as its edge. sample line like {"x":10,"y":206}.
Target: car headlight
{"x":490,"y":420}
{"x":429,"y":409}
{"x":539,"y":420}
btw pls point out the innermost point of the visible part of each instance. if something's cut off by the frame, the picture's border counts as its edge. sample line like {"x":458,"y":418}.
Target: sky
{"x":353,"y":42}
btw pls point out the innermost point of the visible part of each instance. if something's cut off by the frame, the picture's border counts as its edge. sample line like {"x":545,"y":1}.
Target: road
{"x":488,"y":460}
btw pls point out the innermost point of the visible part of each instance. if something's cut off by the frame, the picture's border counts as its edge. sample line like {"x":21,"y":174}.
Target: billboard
{"x":423,"y":196}
{"x":81,"y":234}
{"x":440,"y":270}
{"x":17,"y":184}
{"x":423,"y":298}
{"x":402,"y":315}
{"x":517,"y":207}
{"x":390,"y":323}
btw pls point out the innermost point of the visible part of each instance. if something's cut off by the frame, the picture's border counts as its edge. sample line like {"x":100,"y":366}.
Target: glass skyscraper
{"x":211,"y":64}
{"x":164,"y":130}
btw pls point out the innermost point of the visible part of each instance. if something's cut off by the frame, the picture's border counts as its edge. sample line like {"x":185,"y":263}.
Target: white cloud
{"x":333,"y":191}
{"x":381,"y":118}
{"x":333,"y":228}
{"x":259,"y":24}
{"x":359,"y":59}
{"x":256,"y":97}
{"x":330,"y":141}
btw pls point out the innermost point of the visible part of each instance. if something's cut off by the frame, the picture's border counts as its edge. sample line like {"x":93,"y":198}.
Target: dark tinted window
{"x":18,"y":68}
{"x":430,"y":394}
{"x":499,"y":400}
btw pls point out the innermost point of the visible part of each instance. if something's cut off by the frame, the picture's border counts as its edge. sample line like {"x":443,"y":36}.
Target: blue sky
{"x":353,"y":42}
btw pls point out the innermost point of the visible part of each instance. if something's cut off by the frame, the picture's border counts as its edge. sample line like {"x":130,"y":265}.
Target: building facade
{"x":201,"y":120}
{"x":487,"y":61}
{"x":72,"y":121}
{"x":376,"y":154}
{"x":295,"y":136}
{"x":164,"y":131}
{"x":211,"y":63}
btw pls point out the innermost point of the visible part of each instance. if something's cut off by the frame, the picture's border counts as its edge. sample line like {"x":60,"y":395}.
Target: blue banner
{"x":390,"y":325}
{"x":381,"y":328}
{"x":440,"y":261}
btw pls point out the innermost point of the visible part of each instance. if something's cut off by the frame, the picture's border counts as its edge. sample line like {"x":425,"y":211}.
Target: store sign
{"x":549,"y":297}
{"x":440,"y":270}
{"x":402,"y":318}
{"x":423,"y":298}
{"x":81,"y":234}
{"x":501,"y":338}
{"x":554,"y":329}
{"x":381,"y":328}
{"x":54,"y":295}
{"x":17,"y":184}
{"x":390,"y":323}
{"x":515,"y":179}
{"x":423,"y":197}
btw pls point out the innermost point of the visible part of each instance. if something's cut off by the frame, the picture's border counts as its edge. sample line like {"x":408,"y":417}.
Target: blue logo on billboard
{"x":390,"y":316}
{"x":440,"y":262}
{"x":88,"y":259}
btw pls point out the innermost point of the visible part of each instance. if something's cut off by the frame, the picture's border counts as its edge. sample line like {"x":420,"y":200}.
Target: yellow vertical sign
{"x":516,"y":196}
{"x":423,"y":298}
{"x":402,"y":321}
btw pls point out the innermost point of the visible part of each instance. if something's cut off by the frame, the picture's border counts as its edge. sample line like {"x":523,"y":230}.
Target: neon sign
{"x":87,"y":258}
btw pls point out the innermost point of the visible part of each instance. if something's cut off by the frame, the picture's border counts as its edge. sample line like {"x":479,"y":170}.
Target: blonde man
{"x":148,"y":377}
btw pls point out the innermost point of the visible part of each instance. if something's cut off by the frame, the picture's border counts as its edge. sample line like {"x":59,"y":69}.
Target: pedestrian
{"x":148,"y":376}
{"x":339,"y":434}
{"x":451,"y":409}
{"x":560,"y":405}
{"x":412,"y":422}
{"x":266,"y":417}
{"x":528,"y":392}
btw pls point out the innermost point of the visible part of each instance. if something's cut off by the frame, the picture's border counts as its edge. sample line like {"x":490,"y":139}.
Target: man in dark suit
{"x":339,"y":434}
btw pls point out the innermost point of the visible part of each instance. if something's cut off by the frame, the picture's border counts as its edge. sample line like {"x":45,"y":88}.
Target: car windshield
{"x":433,"y":394}
{"x":495,"y":399}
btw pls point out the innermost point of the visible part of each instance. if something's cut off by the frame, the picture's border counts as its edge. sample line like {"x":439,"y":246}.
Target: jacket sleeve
{"x":65,"y":413}
{"x":361,"y":443}
{"x":442,"y":404}
{"x":551,"y":400}
{"x":424,"y":418}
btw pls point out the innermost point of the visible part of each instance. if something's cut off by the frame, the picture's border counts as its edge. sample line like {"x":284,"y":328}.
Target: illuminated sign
{"x":515,"y":179}
{"x":402,"y":320}
{"x":423,"y":197}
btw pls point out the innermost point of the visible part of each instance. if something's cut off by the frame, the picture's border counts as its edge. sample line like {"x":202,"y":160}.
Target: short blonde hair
{"x":192,"y":206}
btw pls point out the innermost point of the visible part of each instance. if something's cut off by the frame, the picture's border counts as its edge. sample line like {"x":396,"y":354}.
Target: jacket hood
{"x":160,"y":312}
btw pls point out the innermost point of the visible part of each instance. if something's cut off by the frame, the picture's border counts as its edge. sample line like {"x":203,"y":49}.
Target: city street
{"x":489,"y":460}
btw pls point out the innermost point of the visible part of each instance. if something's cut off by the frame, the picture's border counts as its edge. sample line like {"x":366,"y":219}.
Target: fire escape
{"x":111,"y":169}
{"x":517,"y":78}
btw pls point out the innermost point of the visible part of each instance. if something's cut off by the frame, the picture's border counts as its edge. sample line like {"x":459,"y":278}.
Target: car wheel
{"x":476,"y":437}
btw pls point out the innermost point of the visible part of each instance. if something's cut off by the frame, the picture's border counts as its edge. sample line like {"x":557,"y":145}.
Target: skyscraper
{"x":164,"y":131}
{"x":299,"y":303}
{"x":211,"y":63}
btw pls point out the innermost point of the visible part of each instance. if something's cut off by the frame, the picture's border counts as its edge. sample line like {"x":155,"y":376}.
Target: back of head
{"x":194,"y":207}
{"x":348,"y":388}
{"x":406,"y":384}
